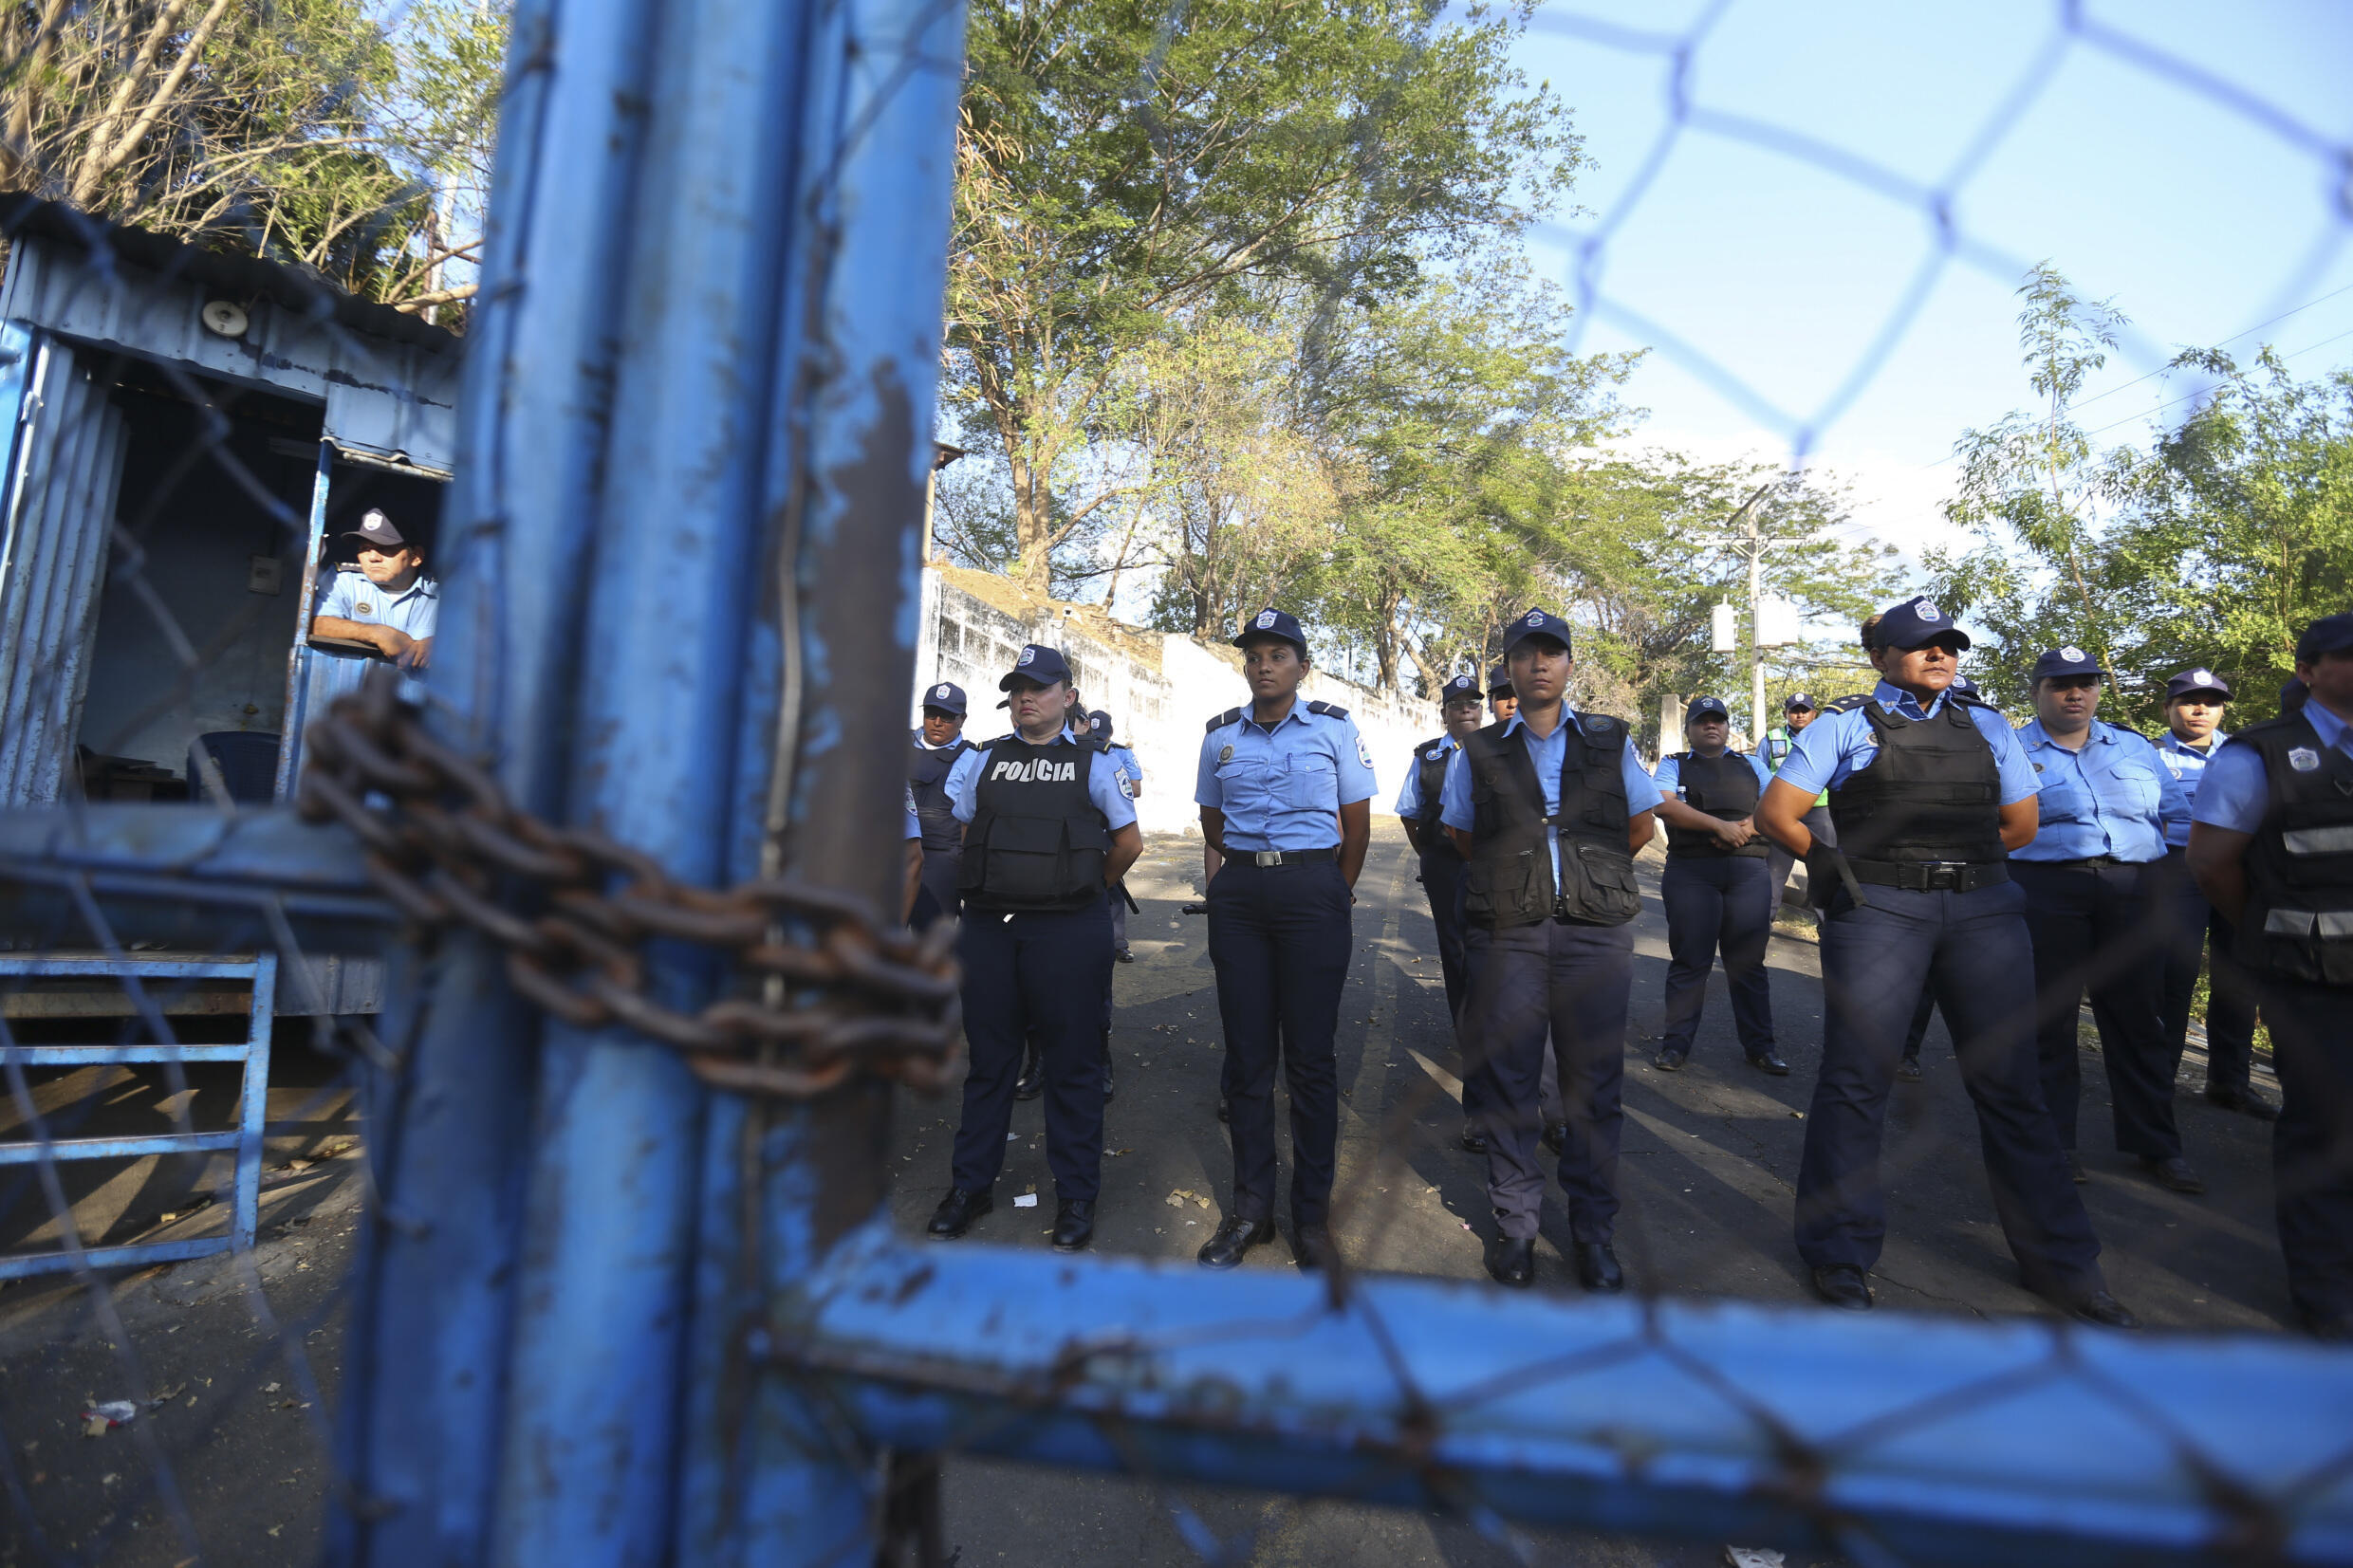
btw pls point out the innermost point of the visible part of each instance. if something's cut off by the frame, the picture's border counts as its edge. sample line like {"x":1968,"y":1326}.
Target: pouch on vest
{"x":1035,"y":863}
{"x":1598,"y":883}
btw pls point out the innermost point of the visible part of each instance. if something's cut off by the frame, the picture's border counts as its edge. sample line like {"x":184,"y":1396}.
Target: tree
{"x":1121,"y":169}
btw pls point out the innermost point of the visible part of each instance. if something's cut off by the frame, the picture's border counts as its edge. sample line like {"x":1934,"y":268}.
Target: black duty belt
{"x":1931,"y":875}
{"x":1283,"y":857}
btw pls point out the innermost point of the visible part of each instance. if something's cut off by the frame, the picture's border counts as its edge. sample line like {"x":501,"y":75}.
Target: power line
{"x":2232,"y":339}
{"x":2201,"y":392}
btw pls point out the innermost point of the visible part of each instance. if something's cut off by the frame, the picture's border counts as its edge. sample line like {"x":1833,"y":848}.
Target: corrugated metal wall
{"x":68,"y":466}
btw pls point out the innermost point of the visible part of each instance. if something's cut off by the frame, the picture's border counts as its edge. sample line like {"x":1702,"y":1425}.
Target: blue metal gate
{"x":611,"y":1315}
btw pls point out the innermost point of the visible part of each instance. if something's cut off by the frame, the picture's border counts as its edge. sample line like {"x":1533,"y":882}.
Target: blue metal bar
{"x":1948,"y":1442}
{"x":299,"y":656}
{"x":25,"y":1265}
{"x":253,"y":1107}
{"x":117,"y":1148}
{"x":107,"y":1056}
{"x":146,"y":967}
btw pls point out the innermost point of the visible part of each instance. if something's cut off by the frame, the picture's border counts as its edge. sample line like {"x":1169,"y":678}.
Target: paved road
{"x":1710,"y":1157}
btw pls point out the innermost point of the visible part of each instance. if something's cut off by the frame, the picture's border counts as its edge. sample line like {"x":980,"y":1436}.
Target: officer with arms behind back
{"x":937,"y":748}
{"x":2194,"y":701}
{"x":1929,"y":795}
{"x":1548,"y":809}
{"x":1285,"y":789}
{"x":2090,"y":882}
{"x":1715,"y":888}
{"x":2271,"y":846}
{"x":1048,"y":832}
{"x":1417,"y":807}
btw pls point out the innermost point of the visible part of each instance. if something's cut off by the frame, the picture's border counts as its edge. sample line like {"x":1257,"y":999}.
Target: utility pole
{"x":1754,"y":544}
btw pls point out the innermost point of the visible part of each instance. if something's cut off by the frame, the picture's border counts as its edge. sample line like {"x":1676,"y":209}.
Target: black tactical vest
{"x":927,"y":780}
{"x":2299,"y":921}
{"x":1430,"y":759}
{"x":1932,"y":794}
{"x":1036,"y":841}
{"x":1724,"y":787}
{"x":1509,"y":877}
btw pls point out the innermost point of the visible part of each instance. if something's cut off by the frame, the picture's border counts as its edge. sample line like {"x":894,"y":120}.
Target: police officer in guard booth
{"x":1929,"y":795}
{"x":1285,"y":789}
{"x":2194,"y":701}
{"x":2091,"y":880}
{"x":1548,"y":810}
{"x":937,"y":747}
{"x":1049,"y":832}
{"x":2272,"y":846}
{"x":1715,"y":888}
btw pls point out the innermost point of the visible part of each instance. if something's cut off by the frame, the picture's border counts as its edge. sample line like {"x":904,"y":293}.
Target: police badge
{"x":1225,"y":756}
{"x":2303,"y":759}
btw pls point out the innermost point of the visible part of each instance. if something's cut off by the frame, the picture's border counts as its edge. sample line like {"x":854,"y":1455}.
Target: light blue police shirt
{"x":1409,"y":801}
{"x":1549,"y":752}
{"x":1103,"y":783}
{"x":414,"y":610}
{"x":1282,"y":788}
{"x":915,"y":823}
{"x":1126,"y":761}
{"x":1838,"y":744}
{"x":2233,"y":791}
{"x":2187,"y":763}
{"x":1669,"y":774}
{"x":2113,"y":797}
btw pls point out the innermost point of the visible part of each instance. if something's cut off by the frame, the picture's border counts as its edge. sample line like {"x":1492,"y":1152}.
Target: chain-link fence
{"x":497,"y":1135}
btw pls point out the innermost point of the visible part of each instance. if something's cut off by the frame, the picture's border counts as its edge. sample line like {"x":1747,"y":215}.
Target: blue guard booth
{"x":187,"y":433}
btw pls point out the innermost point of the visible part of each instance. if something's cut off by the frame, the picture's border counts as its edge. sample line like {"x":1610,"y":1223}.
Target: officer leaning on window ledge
{"x":1047,"y":833}
{"x":389,"y":602}
{"x":1929,"y":794}
{"x":2092,"y":877}
{"x":1548,"y":810}
{"x":1284,"y":789}
{"x":2196,"y":701}
{"x":2271,"y":846}
{"x":1715,"y":888}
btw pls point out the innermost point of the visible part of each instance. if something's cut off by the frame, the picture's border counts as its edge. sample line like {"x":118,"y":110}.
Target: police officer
{"x":1132,"y":773}
{"x":1797,"y":712}
{"x":1417,"y":808}
{"x":1502,"y":701}
{"x":937,"y":746}
{"x":1548,"y":810}
{"x":1715,"y":887}
{"x":1049,"y":832}
{"x":2271,"y":846}
{"x":2091,"y":881}
{"x":1284,"y":789}
{"x":1928,"y":795}
{"x":2194,"y":701}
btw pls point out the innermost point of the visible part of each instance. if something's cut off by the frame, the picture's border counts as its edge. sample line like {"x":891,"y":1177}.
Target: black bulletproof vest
{"x":1430,"y":760}
{"x":2299,"y":921}
{"x":927,"y":778}
{"x":1036,"y":841}
{"x":1723,"y":787}
{"x":1932,"y":794}
{"x":1509,"y":877}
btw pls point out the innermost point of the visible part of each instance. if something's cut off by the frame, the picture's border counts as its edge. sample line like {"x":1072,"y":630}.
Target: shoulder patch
{"x":1327,"y":710}
{"x":1222,"y":720}
{"x":1598,"y":724}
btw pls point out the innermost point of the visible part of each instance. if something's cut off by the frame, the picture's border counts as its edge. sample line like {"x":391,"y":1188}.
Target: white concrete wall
{"x":1162,"y":711}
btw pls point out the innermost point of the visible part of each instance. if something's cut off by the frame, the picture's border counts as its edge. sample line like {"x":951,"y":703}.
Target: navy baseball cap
{"x":1498,"y":680}
{"x":1705,"y":708}
{"x":1536,"y":623}
{"x":1915,"y":623}
{"x":2329,"y":634}
{"x":2199,"y":679}
{"x":947,"y":696}
{"x":1456,"y":689}
{"x":1098,"y":724}
{"x":1037,"y":666}
{"x":1271,"y":622}
{"x":1798,"y":702}
{"x":2059,"y":662}
{"x":376,"y":530}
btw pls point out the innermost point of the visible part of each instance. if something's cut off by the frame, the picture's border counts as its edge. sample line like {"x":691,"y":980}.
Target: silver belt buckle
{"x":1944,"y":875}
{"x":1267,"y":856}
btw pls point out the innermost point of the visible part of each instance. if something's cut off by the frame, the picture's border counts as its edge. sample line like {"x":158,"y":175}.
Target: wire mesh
{"x":185,"y":1411}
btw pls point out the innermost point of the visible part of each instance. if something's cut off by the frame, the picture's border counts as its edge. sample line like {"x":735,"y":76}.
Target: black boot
{"x":957,"y":1210}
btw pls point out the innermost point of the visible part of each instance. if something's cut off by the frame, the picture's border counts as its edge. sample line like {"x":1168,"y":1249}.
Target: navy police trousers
{"x":1718,"y":901}
{"x":2312,"y":1143}
{"x":1280,"y":937}
{"x":1038,"y":974}
{"x":2195,"y":930}
{"x":2095,"y":929}
{"x":1572,"y":981}
{"x":1973,"y":948}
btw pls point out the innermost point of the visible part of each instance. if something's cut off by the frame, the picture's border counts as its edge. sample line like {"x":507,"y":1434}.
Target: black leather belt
{"x":1283,"y":857}
{"x":1931,"y":875}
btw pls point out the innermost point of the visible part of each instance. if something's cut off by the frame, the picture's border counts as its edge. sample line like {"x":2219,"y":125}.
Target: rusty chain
{"x":574,"y":911}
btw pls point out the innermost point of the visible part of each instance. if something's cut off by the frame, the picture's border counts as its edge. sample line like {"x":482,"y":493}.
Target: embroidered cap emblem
{"x":1535,"y":618}
{"x":2304,"y":759}
{"x":2203,"y":677}
{"x":1265,"y":618}
{"x":1927,"y":611}
{"x":2071,"y":654}
{"x":1027,"y":655}
{"x":940,"y":691}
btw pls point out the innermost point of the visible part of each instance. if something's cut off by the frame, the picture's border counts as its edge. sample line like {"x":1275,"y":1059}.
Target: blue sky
{"x":2199,"y":218}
